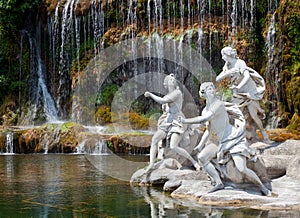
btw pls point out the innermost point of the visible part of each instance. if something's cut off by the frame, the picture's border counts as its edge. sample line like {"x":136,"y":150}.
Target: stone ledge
{"x":286,"y":195}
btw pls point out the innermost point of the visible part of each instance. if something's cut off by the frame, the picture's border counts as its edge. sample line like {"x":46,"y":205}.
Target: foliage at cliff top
{"x":13,"y":13}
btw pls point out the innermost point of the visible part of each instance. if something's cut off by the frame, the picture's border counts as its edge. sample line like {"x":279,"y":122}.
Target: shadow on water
{"x":56,"y":185}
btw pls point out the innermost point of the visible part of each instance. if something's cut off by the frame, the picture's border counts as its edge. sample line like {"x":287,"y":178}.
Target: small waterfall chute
{"x":93,"y":146}
{"x":9,"y":143}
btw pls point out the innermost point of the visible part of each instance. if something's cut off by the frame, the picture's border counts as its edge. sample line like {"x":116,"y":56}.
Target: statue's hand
{"x":180,"y":119}
{"x":198,"y":147}
{"x":233,"y":87}
{"x":147,"y":94}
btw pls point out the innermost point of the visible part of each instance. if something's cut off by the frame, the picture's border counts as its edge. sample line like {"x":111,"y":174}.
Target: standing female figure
{"x":168,"y":127}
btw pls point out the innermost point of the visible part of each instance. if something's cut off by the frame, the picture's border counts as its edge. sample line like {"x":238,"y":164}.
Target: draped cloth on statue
{"x":235,"y":141}
{"x":254,"y":89}
{"x":168,"y":121}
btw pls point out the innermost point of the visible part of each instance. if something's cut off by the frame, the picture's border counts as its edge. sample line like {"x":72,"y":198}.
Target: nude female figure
{"x":168,"y":127}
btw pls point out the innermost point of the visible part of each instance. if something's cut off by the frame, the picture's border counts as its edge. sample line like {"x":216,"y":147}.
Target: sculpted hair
{"x":205,"y":85}
{"x":172,"y":78}
{"x":230,"y":52}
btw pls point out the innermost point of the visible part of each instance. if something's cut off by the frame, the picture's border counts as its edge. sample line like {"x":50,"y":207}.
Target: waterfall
{"x":270,"y":39}
{"x":75,"y":32}
{"x":272,"y":74}
{"x":233,"y":17}
{"x":50,"y":139}
{"x":40,"y":95}
{"x":80,"y":148}
{"x":92,"y":146}
{"x":71,"y":32}
{"x":252,"y":11}
{"x":98,"y":24}
{"x":9,"y":143}
{"x":66,"y":55}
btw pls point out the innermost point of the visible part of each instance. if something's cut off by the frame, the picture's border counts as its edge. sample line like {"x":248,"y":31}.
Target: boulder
{"x":166,"y":170}
{"x":293,"y":170}
{"x":278,"y":158}
{"x":285,"y":195}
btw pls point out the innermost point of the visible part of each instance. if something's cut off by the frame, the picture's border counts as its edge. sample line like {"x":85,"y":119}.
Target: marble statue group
{"x":227,"y":136}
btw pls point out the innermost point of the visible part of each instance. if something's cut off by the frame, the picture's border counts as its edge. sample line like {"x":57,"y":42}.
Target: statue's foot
{"x":145,"y":182}
{"x":149,"y":168}
{"x":197,"y":166}
{"x":266,"y":137}
{"x":267,"y":141}
{"x":217,"y":187}
{"x":266,"y":192}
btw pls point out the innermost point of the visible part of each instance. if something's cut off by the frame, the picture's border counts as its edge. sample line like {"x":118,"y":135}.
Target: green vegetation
{"x":288,"y":25}
{"x":13,"y":13}
{"x":103,"y":115}
{"x":106,"y":95}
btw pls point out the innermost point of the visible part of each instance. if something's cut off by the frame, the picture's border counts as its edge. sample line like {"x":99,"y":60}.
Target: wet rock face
{"x":71,"y":137}
{"x":52,"y":138}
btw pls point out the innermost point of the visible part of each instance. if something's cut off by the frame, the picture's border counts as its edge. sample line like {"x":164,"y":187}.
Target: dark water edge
{"x":56,"y":185}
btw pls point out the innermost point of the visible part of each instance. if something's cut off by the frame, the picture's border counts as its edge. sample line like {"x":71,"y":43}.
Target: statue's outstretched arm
{"x":156,"y":98}
{"x":200,"y":119}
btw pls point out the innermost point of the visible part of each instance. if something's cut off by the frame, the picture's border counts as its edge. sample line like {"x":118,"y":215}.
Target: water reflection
{"x":162,"y":205}
{"x":70,"y":186}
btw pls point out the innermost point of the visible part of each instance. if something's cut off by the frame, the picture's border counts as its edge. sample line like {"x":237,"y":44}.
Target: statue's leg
{"x":174,"y":142}
{"x":241,"y":165}
{"x":253,"y":110}
{"x":211,"y":170}
{"x":205,"y":156}
{"x":157,"y":137}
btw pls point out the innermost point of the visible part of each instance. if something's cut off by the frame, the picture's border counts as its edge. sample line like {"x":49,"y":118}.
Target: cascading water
{"x":272,"y":74}
{"x":65,"y":56}
{"x":75,"y":35}
{"x":40,"y":95}
{"x":70,"y":33}
{"x":9,"y":143}
{"x":94,"y":147}
{"x":234,"y":16}
{"x":75,"y":30}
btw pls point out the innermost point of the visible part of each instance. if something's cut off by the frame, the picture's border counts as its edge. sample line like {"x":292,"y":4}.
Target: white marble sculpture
{"x":232,"y":143}
{"x":169,"y":128}
{"x":248,"y":88}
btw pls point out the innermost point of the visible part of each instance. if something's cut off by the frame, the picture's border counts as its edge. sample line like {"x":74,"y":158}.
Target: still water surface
{"x":56,"y":185}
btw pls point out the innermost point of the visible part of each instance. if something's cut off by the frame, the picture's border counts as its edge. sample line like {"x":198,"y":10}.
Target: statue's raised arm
{"x":168,"y":126}
{"x":248,"y":88}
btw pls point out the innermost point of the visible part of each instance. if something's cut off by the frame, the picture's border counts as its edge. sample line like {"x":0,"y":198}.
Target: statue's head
{"x":170,"y":81}
{"x":207,"y":89}
{"x":231,"y":52}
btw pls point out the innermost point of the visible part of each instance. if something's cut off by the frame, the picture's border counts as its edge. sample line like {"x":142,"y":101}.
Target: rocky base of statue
{"x":165,"y":170}
{"x":169,"y":172}
{"x":277,"y":165}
